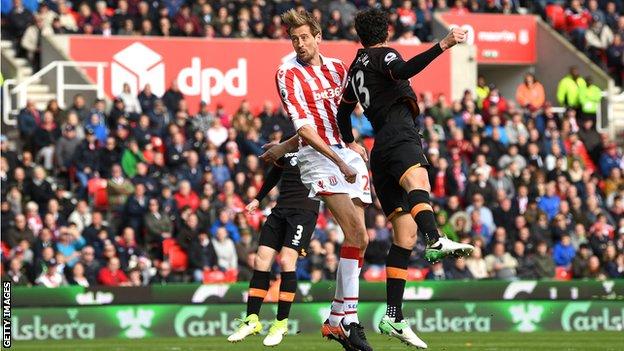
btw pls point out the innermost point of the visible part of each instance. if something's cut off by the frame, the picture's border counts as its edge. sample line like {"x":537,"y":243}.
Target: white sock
{"x":337,"y":311}
{"x":350,"y":288}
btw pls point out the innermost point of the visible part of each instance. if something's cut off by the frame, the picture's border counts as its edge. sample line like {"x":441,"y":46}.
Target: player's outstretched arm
{"x":270,"y":181}
{"x":407,"y":69}
{"x":312,"y":138}
{"x":275,"y":151}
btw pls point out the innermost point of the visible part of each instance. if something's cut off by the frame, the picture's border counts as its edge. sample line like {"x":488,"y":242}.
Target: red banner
{"x":219,"y":71}
{"x":500,"y":39}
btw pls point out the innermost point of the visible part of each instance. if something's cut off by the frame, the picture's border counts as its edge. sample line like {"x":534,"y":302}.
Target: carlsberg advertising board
{"x":144,"y":321}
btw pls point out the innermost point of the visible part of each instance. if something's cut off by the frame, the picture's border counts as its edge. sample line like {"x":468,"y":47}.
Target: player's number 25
{"x":363,"y":95}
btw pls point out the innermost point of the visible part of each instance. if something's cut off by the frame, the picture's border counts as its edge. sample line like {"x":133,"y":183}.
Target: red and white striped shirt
{"x":311,"y":94}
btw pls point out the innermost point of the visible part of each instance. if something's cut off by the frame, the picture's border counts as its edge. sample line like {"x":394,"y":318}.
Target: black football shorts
{"x":289,"y":227}
{"x":398,"y":148}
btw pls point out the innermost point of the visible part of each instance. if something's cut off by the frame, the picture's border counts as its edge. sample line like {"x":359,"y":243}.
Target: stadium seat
{"x":213,"y":276}
{"x":175,"y":255}
{"x":563,"y":273}
{"x":98,"y":193}
{"x":416,"y":274}
{"x":556,"y":16}
{"x":375,"y":274}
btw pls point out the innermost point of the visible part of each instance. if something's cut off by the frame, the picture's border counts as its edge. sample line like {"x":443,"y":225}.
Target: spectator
{"x":19,"y":232}
{"x":459,"y":270}
{"x":580,"y":262}
{"x":202,"y":256}
{"x":526,"y":264}
{"x":164,"y":275}
{"x":172,"y":97}
{"x":530,"y":94}
{"x":16,"y":273}
{"x":112,"y":275}
{"x":186,"y":197}
{"x":577,"y":22}
{"x":158,"y":226}
{"x":595,"y":271}
{"x":225,"y":250}
{"x":119,"y":188}
{"x":610,"y":160}
{"x":550,"y":202}
{"x":132,"y":105}
{"x":564,"y":252}
{"x":90,"y":265}
{"x":225,"y":221}
{"x":437,"y":272}
{"x":81,"y":216}
{"x":69,"y":245}
{"x":51,"y":277}
{"x":501,"y":264}
{"x":78,"y":276}
{"x":597,"y":38}
{"x":19,"y":18}
{"x":544,"y":264}
{"x":131,"y":157}
{"x":570,"y":86}
{"x":136,"y":208}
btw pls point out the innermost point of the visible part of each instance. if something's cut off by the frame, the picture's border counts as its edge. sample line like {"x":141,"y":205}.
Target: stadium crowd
{"x":144,"y":193}
{"x":594,"y":27}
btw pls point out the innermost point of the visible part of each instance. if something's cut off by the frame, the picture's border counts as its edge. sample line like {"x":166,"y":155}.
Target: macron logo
{"x":137,"y":65}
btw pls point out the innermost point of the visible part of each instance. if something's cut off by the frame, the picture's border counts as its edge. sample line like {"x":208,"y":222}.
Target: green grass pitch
{"x":581,"y":341}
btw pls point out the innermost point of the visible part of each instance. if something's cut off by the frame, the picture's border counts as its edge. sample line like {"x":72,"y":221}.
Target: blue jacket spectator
{"x":225,"y":221}
{"x":564,"y":252}
{"x":610,"y":160}
{"x":550,"y":202}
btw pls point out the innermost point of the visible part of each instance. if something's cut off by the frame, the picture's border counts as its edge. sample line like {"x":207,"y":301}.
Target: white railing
{"x":21,"y":90}
{"x":6,"y":102}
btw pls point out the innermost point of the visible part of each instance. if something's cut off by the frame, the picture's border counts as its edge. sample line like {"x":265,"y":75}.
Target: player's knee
{"x":287,"y":263}
{"x":405,"y":240}
{"x":416,"y":179}
{"x":261,"y":263}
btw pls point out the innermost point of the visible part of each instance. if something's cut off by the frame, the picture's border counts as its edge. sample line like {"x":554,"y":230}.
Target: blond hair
{"x":294,"y":19}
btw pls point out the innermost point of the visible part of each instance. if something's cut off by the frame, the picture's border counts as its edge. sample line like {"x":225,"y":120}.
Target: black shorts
{"x":289,"y":227}
{"x":397,"y":149}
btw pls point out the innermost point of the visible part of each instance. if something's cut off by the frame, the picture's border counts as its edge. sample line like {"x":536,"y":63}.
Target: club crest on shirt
{"x":333,"y":181}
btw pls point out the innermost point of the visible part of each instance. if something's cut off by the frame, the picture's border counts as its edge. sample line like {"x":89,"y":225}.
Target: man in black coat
{"x":86,"y":160}
{"x":202,"y":256}
{"x":39,"y":189}
{"x":135,"y":209}
{"x":172,"y":97}
{"x":107,"y":156}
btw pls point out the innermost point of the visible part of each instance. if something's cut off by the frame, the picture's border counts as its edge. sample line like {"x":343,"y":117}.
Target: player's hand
{"x":349,"y":172}
{"x":455,"y":36}
{"x":274,"y":151}
{"x":359,"y":149}
{"x":252,"y":206}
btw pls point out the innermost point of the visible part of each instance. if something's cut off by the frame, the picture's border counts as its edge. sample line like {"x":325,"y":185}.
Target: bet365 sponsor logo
{"x":38,"y":328}
{"x":579,"y":316}
{"x":198,"y":321}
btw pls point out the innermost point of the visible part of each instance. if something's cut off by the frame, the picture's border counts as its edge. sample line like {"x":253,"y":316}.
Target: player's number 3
{"x":363,"y":95}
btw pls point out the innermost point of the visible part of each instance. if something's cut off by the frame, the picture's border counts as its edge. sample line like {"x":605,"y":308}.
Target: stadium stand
{"x":144,"y":193}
